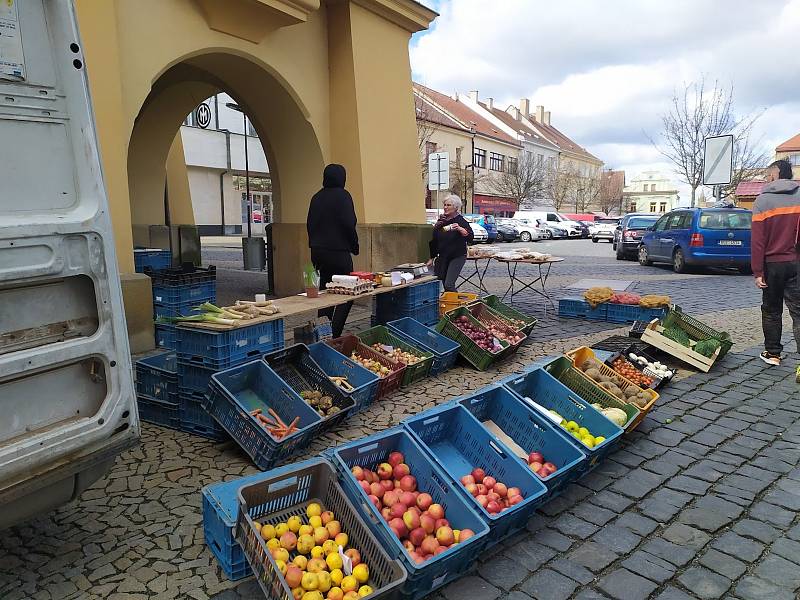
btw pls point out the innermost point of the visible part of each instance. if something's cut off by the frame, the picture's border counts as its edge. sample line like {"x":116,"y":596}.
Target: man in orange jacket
{"x":775,"y":256}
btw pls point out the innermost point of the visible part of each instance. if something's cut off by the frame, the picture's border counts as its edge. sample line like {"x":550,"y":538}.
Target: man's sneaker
{"x":771,"y":359}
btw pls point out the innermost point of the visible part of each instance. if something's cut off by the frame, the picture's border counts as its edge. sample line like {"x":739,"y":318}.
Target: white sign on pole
{"x":718,"y":160}
{"x":439,"y":171}
{"x":12,"y":61}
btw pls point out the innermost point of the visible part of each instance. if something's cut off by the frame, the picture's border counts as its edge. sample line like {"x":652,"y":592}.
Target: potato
{"x":594,"y":374}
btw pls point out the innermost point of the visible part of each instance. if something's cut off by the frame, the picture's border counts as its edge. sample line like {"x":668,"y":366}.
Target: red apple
{"x":472,"y":489}
{"x":428,"y":523}
{"x":535,"y":457}
{"x":478,"y":475}
{"x":493,"y":497}
{"x":375,"y":502}
{"x":401,"y":471}
{"x":384,"y":471}
{"x":358,"y":473}
{"x":445,"y":536}
{"x":499,"y":488}
{"x":535,"y":466}
{"x":354,"y":555}
{"x":482,"y":500}
{"x":415,"y":510}
{"x":465,"y":535}
{"x":440,"y":549}
{"x":399,"y":528}
{"x":429,"y":544}
{"x":395,"y":458}
{"x":377,"y":490}
{"x":370,"y":476}
{"x":408,"y":483}
{"x":512,"y":500}
{"x":398,"y":509}
{"x":489,"y":482}
{"x":442,"y":523}
{"x":542,"y":472}
{"x":408,"y":498}
{"x":424,"y":501}
{"x":467,"y":479}
{"x":513,"y":491}
{"x":386,"y":513}
{"x":493,"y":507}
{"x":550,"y":467}
{"x":365,"y":486}
{"x":387,"y":484}
{"x":417,"y":558}
{"x":436,"y":511}
{"x":482,"y":489}
{"x":410,"y":548}
{"x":411,"y":519}
{"x":390,"y":498}
{"x":416,"y":536}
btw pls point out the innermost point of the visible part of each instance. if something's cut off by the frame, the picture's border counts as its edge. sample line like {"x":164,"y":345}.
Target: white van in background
{"x":574,"y":229}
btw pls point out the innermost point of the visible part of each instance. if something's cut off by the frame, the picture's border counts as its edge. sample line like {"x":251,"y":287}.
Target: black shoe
{"x":773,"y":360}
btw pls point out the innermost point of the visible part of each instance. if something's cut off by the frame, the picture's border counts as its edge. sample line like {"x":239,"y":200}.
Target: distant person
{"x":775,"y":259}
{"x":451,"y":234}
{"x":332,"y":237}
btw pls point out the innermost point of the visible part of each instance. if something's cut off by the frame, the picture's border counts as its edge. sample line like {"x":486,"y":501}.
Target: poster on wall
{"x":12,"y":61}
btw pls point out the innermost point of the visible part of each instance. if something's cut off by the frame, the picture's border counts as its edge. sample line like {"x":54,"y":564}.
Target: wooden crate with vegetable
{"x":676,"y":342}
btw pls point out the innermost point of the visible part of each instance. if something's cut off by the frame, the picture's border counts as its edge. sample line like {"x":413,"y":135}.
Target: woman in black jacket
{"x":332,"y":237}
{"x":451,"y":234}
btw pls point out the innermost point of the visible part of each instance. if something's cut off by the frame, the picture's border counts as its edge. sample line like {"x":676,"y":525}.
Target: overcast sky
{"x":607,"y":69}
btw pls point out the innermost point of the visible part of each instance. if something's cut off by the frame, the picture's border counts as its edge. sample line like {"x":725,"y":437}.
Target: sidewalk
{"x":221,"y":241}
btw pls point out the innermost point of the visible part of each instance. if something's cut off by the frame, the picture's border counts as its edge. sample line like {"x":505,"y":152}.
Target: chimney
{"x":546,"y":117}
{"x":524,"y":107}
{"x":473,"y":96}
{"x":490,"y":103}
{"x":539,"y":118}
{"x":515,"y":113}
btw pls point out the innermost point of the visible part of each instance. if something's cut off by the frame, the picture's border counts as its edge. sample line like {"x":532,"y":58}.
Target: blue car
{"x":487,"y":222}
{"x":708,"y":237}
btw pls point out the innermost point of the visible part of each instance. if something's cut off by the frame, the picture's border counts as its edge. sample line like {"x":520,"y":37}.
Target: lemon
{"x":317,"y":552}
{"x":294,"y":524}
{"x":583,"y":431}
{"x":329,"y":546}
{"x":349,"y":584}
{"x":337,"y":576}
{"x":280,"y":529}
{"x":310,"y":581}
{"x":334,"y":561}
{"x":572,"y":426}
{"x":315,"y":521}
{"x":300,"y":562}
{"x":361,"y":573}
{"x":364,"y":591}
{"x":313,"y":510}
{"x":268,"y":532}
{"x":575,"y":434}
{"x":312,"y":595}
{"x":588,"y":441}
{"x":305,"y":530}
{"x":563,"y":423}
{"x":599,"y":440}
{"x":273,"y":544}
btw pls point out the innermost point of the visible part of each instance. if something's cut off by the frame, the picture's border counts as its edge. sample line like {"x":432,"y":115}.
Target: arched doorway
{"x":290,"y":143}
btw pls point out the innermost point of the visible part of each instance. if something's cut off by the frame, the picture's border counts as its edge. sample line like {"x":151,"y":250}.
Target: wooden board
{"x":653,"y":336}
{"x":295,"y":305}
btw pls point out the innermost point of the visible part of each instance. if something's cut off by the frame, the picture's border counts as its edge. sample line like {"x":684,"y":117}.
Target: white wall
{"x":206,"y":148}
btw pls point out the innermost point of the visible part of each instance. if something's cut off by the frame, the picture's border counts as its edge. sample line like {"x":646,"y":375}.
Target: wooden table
{"x":544,"y":273}
{"x":477,"y":273}
{"x":295,"y":305}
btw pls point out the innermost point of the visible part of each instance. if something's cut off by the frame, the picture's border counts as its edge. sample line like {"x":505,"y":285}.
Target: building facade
{"x":650,"y":192}
{"x":790,"y":150}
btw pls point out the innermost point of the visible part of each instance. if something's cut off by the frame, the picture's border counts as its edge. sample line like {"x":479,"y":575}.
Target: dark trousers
{"x":330,"y":263}
{"x":783,"y":286}
{"x":448,"y":270}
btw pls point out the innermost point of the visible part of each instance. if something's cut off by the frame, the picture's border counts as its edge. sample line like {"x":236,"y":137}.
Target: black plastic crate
{"x":183,"y":275}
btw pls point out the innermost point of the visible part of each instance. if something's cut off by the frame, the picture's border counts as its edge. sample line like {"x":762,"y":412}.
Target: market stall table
{"x":477,"y":272}
{"x":544,"y":267}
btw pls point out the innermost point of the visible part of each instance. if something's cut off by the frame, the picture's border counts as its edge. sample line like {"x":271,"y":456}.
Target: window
{"x":479,"y":160}
{"x":633,"y":206}
{"x":539,"y":160}
{"x":529,"y":155}
{"x":674,"y":221}
{"x":430,"y":148}
{"x":458,"y":156}
{"x":725,"y":219}
{"x":512,"y":165}
{"x":662,"y":223}
{"x":552,"y":217}
{"x":551,"y":163}
{"x":641,"y":223}
{"x":652,"y":207}
{"x":794,"y":159}
{"x":496,"y":161}
{"x":662,"y":207}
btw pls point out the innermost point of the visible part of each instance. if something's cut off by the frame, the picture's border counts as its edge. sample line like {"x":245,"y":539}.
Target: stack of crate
{"x":175,"y":292}
{"x":420,"y":302}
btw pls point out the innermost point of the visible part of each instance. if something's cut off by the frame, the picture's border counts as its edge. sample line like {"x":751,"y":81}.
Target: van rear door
{"x":66,"y":385}
{"x":725,"y":233}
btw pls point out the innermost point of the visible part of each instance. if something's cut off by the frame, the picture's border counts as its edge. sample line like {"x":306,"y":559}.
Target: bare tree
{"x":521,"y":180}
{"x":612,"y":183}
{"x":749,"y":160}
{"x":696,"y":113}
{"x":425,"y":130}
{"x":562,"y":185}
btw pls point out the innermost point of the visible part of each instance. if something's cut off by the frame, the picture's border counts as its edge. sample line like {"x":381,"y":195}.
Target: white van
{"x":66,"y":383}
{"x":574,"y":228}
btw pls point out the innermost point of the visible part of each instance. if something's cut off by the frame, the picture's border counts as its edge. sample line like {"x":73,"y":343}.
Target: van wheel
{"x":678,"y":261}
{"x":525,"y":236}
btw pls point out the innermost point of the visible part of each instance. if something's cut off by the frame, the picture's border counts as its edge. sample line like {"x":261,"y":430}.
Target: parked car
{"x":506,"y":233}
{"x":603,"y":229}
{"x":485,"y":221}
{"x":553,"y":231}
{"x":629,"y":233}
{"x":479,"y":234}
{"x":573,"y":228}
{"x":711,"y":237}
{"x":527,"y":231}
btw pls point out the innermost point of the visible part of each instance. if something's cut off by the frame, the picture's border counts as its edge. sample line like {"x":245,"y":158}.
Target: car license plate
{"x":730,"y":242}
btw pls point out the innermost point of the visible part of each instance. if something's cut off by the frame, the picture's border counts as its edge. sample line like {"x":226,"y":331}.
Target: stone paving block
{"x":783,"y":499}
{"x":683,"y":535}
{"x":779,"y":571}
{"x":617,"y":539}
{"x":624,"y":585}
{"x":470,"y":587}
{"x":666,"y":550}
{"x":638,"y":483}
{"x":666,"y":437}
{"x":776,"y":515}
{"x":682,"y":483}
{"x":787,"y":548}
{"x":711,"y":513}
{"x":721,"y":563}
{"x":755,"y":588}
{"x":503,"y":573}
{"x":517,"y":595}
{"x":530,"y":554}
{"x":636,"y":523}
{"x":647,"y":565}
{"x":593,"y":556}
{"x":569,"y":524}
{"x":628,"y":458}
{"x":552,"y":538}
{"x":757,"y":530}
{"x":673,"y":593}
{"x":572,"y":570}
{"x":589,"y":594}
{"x":611,"y":500}
{"x":662,"y":467}
{"x":704,"y":583}
{"x":705,"y":470}
{"x":549,"y":585}
{"x":593,"y":514}
{"x":738,"y":546}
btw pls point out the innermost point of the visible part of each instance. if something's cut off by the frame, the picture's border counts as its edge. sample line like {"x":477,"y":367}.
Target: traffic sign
{"x":718,"y":160}
{"x":202,"y":115}
{"x":439,"y":171}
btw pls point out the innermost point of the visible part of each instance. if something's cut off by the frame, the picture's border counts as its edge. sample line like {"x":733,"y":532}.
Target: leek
{"x":204,"y":318}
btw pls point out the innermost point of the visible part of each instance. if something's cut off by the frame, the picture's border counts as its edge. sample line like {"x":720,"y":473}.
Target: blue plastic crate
{"x":222,"y":349}
{"x":443,"y":568}
{"x":445,"y":350}
{"x":159,"y":412}
{"x":151,"y":258}
{"x":459,"y":443}
{"x":196,"y":419}
{"x":626,"y":313}
{"x":529,"y":430}
{"x":197,"y":293}
{"x":411,"y":297}
{"x":364,"y":381}
{"x":157,"y":377}
{"x":166,"y":336}
{"x":162,"y":310}
{"x":578,"y":308}
{"x":427,"y":314}
{"x":194,"y":378}
{"x":254,"y":385}
{"x":548,"y":392}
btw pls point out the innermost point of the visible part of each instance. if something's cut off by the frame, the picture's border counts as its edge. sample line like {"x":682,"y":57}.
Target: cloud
{"x":607,"y":70}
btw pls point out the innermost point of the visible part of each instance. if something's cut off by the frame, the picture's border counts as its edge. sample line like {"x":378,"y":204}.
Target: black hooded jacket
{"x":331,"y":219}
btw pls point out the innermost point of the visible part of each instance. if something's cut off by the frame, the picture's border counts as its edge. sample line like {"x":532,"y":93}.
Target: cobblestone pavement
{"x":700,"y":502}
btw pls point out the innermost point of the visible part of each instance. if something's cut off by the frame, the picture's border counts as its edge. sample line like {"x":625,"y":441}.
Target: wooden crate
{"x":653,"y":335}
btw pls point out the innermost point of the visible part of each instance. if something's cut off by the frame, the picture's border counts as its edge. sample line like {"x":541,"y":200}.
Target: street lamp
{"x":253,"y":251}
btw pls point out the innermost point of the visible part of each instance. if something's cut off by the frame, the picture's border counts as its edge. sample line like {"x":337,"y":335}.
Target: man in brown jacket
{"x":775,"y":256}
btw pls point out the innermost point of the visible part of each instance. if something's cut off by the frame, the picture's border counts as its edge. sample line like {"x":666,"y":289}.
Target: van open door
{"x":66,"y":384}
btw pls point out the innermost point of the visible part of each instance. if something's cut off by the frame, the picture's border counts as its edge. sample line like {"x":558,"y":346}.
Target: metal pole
{"x":247,"y":181}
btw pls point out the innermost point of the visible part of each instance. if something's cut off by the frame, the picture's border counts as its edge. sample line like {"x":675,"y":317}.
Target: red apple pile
{"x":538,"y":464}
{"x":477,"y":334}
{"x":494,"y":496}
{"x":415,"y":519}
